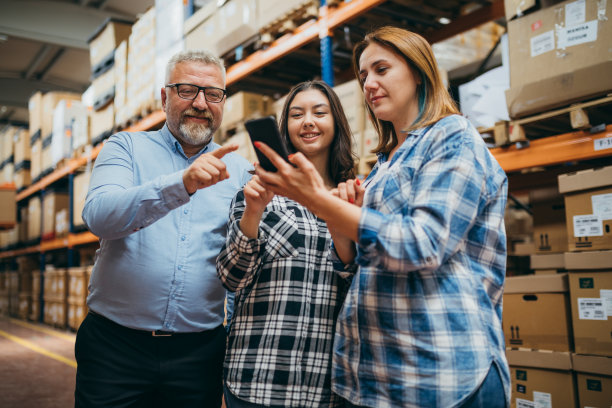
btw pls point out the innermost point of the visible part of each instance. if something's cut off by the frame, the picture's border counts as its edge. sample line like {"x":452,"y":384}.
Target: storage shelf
{"x":69,"y":241}
{"x":568,"y":147}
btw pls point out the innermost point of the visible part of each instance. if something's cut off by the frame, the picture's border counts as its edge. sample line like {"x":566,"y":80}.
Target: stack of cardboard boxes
{"x":558,"y":326}
{"x":106,"y":77}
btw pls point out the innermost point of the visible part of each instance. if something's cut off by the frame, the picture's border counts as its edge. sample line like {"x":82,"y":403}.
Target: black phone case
{"x":266,"y":130}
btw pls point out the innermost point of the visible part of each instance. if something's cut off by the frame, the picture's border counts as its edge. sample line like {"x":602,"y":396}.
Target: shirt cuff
{"x":345,"y":271}
{"x":173,"y":190}
{"x":243,"y":243}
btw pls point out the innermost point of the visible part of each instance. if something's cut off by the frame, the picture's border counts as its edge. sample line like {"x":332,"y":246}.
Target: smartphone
{"x":266,"y":130}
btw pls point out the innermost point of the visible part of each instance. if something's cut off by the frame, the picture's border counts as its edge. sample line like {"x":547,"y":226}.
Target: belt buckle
{"x":160,"y":333}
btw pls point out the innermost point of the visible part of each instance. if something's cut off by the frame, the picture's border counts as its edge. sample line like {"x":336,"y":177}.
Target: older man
{"x":159,"y":201}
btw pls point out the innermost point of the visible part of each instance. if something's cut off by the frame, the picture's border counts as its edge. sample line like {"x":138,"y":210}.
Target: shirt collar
{"x":174,"y":145}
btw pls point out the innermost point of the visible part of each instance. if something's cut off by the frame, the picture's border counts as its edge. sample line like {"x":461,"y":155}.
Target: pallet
{"x":288,"y":22}
{"x":285,"y":24}
{"x":144,"y":110}
{"x":592,"y":114}
{"x":81,"y":151}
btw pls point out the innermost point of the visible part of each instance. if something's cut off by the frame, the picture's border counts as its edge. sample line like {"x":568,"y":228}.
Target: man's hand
{"x":207,"y":170}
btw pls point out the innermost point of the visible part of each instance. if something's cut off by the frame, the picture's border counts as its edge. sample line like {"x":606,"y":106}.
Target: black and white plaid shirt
{"x":287,"y":301}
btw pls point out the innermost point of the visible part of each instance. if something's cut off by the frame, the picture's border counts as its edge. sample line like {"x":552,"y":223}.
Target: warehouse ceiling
{"x":43,"y":43}
{"x":43,"y":46}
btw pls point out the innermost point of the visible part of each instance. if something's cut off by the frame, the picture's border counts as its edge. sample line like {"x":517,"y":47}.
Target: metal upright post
{"x":327,"y":57}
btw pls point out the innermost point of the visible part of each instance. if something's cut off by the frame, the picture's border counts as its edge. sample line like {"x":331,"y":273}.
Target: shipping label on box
{"x":591,"y":298}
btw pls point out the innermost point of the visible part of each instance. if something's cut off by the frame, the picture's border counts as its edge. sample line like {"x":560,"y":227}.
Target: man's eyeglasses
{"x":190,"y":92}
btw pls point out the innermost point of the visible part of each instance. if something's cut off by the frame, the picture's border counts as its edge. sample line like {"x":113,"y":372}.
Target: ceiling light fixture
{"x":443,"y":20}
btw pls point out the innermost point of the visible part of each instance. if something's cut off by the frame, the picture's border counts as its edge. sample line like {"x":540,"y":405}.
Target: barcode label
{"x":588,"y":226}
{"x":591,"y":309}
{"x":522,"y":403}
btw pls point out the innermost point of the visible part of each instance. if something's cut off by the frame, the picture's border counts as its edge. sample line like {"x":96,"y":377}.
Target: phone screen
{"x":266,"y":130}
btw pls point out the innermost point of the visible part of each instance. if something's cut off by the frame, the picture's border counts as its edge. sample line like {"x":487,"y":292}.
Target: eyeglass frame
{"x":200,"y":89}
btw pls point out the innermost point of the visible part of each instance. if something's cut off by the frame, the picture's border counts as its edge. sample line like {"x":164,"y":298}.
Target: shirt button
{"x":183,"y":238}
{"x":180,"y":267}
{"x":185,"y":211}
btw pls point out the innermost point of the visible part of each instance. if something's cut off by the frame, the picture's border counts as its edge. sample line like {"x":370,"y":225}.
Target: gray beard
{"x":195,"y":134}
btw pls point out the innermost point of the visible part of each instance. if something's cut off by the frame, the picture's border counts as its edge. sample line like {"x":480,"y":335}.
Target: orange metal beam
{"x":574,"y":146}
{"x":82,"y":239}
{"x":307,"y":32}
{"x":21,"y":251}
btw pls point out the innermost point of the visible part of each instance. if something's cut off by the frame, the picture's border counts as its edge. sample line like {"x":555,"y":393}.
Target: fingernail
{"x":257,"y":144}
{"x":351,"y":200}
{"x":290,"y":156}
{"x":358,"y":182}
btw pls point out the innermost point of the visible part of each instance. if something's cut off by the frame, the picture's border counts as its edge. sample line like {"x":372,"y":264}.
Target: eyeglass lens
{"x":191,"y":92}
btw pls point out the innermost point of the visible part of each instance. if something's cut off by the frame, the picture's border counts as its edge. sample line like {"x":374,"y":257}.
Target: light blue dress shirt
{"x":155,"y":269}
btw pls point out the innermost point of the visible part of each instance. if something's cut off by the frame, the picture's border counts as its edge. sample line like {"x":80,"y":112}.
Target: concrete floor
{"x":37,"y":366}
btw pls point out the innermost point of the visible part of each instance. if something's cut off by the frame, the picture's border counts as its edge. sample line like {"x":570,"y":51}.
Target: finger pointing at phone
{"x":208,"y":169}
{"x":299,"y":182}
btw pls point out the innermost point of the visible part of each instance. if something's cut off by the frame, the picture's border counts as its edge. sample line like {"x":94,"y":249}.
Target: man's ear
{"x":163,"y":98}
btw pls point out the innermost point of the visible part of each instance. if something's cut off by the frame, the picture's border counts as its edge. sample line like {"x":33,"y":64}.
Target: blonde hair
{"x":435,"y":102}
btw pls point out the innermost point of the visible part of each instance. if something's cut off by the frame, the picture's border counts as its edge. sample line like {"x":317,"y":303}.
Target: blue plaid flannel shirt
{"x":421,"y":324}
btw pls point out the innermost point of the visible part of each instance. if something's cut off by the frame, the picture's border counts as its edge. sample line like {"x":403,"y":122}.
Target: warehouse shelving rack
{"x":548,"y":151}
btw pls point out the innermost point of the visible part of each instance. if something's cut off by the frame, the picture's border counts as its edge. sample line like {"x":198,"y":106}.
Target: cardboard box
{"x":201,"y":15}
{"x":79,"y":194}
{"x":537,"y":313}
{"x":102,"y":123}
{"x":49,"y":103}
{"x":591,"y":300}
{"x":35,"y":113}
{"x":7,"y":144}
{"x":69,"y":121}
{"x":53,"y":202}
{"x":104,"y":89}
{"x":105,"y":39}
{"x":242,"y":106}
{"x":46,"y":156}
{"x":572,"y":40}
{"x":588,"y":208}
{"x":594,"y":380}
{"x":270,"y":10}
{"x":22,"y":146}
{"x":352,"y":100}
{"x":36,"y":157}
{"x":547,"y":261}
{"x":22,"y":175}
{"x":236,"y":22}
{"x":541,"y":379}
{"x":591,"y":260}
{"x":549,"y":230}
{"x":8,"y":206}
{"x":34,"y":217}
{"x":78,"y":281}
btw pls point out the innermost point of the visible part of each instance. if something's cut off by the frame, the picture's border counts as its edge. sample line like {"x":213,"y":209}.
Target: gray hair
{"x":202,"y":56}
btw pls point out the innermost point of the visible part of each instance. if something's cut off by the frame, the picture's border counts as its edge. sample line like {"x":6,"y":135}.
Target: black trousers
{"x":122,"y":367}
